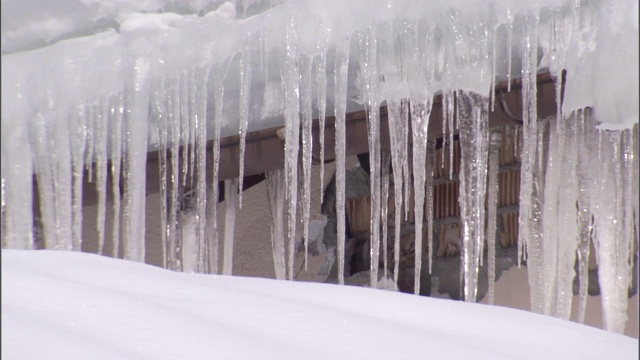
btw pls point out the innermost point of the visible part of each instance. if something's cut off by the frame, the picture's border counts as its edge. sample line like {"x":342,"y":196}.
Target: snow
{"x":71,"y":305}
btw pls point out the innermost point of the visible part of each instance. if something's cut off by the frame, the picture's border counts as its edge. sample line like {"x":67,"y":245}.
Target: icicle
{"x":159,"y":102}
{"x":77,"y":141}
{"x":90,"y":141}
{"x":117,"y":114}
{"x":369,"y":87}
{"x":585,"y":216}
{"x":135,"y":145}
{"x":231,"y":200}
{"x":199,"y":88}
{"x":292,"y":137}
{"x":275,"y":198}
{"x":212,"y":217}
{"x":100,"y":151}
{"x":193,"y":123}
{"x":175,"y":127}
{"x":244,"y":67}
{"x":306,"y":110}
{"x":184,"y":124}
{"x":612,"y":240}
{"x":320,"y":84}
{"x":396,"y":140}
{"x":492,"y":209}
{"x":531,"y":174}
{"x":429,"y":169}
{"x":17,"y":184}
{"x":340,"y":100}
{"x":384,"y":207}
{"x":449,"y":95}
{"x":420,"y":112}
{"x":44,"y":177}
{"x":474,"y":121}
{"x":406,"y":168}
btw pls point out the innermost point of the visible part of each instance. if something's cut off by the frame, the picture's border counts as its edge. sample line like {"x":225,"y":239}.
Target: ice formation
{"x":131,"y":77}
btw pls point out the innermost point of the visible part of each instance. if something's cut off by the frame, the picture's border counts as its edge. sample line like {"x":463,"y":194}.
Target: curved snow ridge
{"x":81,"y":305}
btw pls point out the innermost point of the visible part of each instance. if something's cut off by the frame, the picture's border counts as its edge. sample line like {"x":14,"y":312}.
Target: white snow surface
{"x":72,"y":305}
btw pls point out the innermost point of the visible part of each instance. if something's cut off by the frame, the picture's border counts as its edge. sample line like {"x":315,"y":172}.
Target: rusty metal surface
{"x":265,"y":149}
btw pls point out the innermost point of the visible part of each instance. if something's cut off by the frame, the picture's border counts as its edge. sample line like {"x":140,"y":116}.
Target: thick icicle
{"x":135,"y":145}
{"x":231,"y":200}
{"x":275,"y":197}
{"x":560,"y":222}
{"x":306,"y":109}
{"x":474,"y":121}
{"x":340,"y":100}
{"x":492,"y":209}
{"x":420,"y":113}
{"x":532,"y":174}
{"x":17,"y":225}
{"x":585,"y":215}
{"x":292,"y":137}
{"x":320,"y":84}
{"x":244,"y":67}
{"x":611,"y":240}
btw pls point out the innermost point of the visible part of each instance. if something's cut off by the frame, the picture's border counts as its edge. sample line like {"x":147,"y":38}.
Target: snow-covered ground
{"x":72,"y":305}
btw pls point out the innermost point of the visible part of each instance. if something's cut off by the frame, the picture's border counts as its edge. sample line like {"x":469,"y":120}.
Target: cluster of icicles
{"x":578,"y":184}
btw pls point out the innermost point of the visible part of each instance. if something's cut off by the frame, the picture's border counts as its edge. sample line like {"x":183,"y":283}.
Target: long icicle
{"x":200,"y":89}
{"x":292,"y":137}
{"x":175,"y":127}
{"x":369,"y":86}
{"x":212,"y":214}
{"x":244,"y":67}
{"x":135,"y":126}
{"x":78,"y":138}
{"x":420,"y":113}
{"x":395,"y":136}
{"x":306,"y":109}
{"x":340,"y":101}
{"x":161,"y":114}
{"x":473,"y":120}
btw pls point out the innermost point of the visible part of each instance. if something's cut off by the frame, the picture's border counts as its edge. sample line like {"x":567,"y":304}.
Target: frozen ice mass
{"x":96,"y":85}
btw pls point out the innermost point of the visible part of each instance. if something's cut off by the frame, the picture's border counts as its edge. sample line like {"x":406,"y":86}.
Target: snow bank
{"x":69,"y":305}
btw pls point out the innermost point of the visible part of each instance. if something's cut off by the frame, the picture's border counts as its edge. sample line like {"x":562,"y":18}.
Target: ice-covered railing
{"x":162,"y":80}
